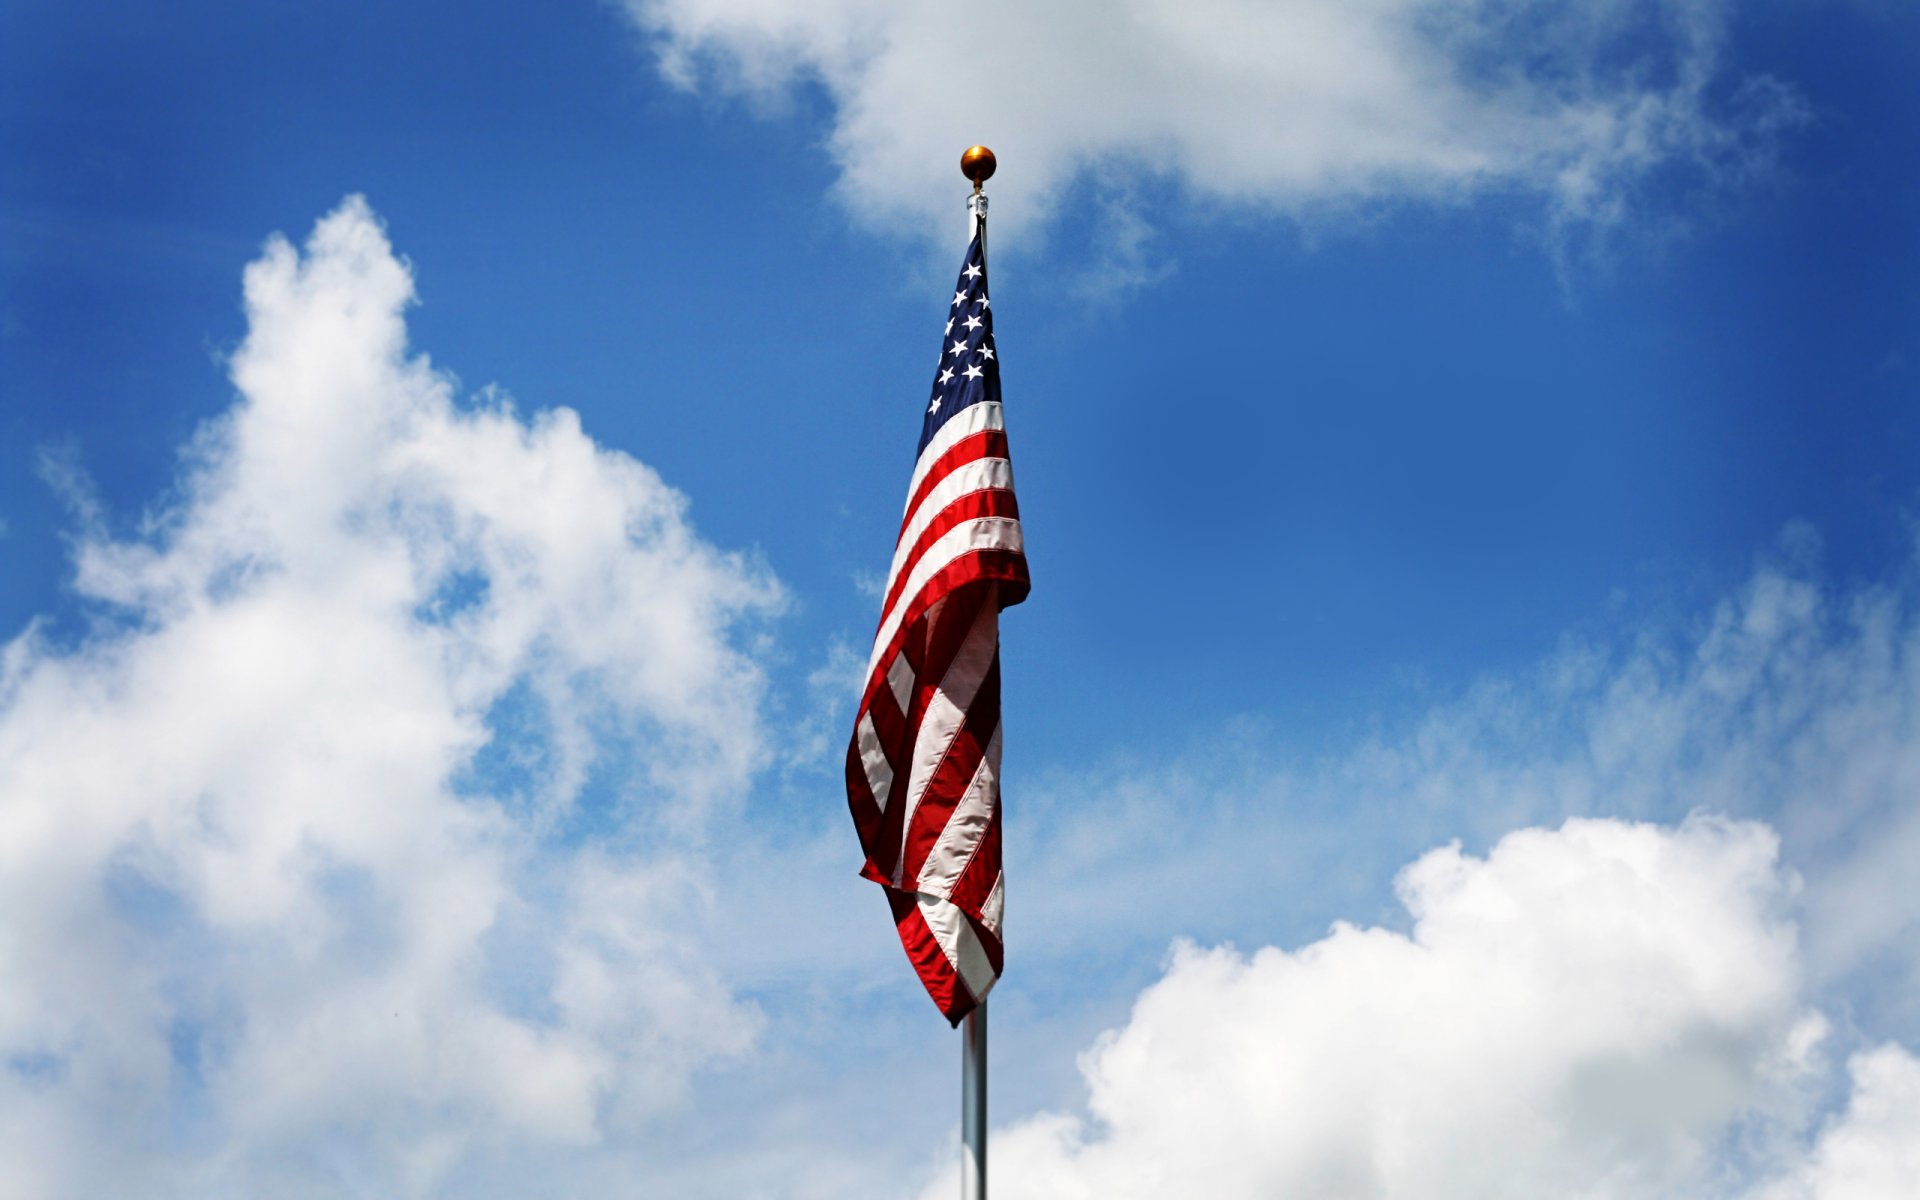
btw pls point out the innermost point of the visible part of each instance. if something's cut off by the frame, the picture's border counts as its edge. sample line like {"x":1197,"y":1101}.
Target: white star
{"x":946,"y":376}
{"x":972,"y":372}
{"x":972,"y":272}
{"x":970,"y":323}
{"x":986,"y":352}
{"x":934,"y":405}
{"x":985,"y":303}
{"x":957,"y":348}
{"x":949,"y":324}
{"x":957,"y":298}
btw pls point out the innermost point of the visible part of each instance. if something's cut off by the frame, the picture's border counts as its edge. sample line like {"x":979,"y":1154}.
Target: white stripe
{"x":900,"y":679}
{"x":879,"y":774}
{"x":960,"y":944}
{"x":996,"y":901}
{"x":981,"y":533}
{"x":963,"y":424}
{"x":966,"y":827}
{"x":945,"y":713}
{"x":977,"y":476}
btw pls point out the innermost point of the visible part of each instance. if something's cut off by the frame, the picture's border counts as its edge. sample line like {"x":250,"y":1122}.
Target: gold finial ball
{"x":977,"y":164}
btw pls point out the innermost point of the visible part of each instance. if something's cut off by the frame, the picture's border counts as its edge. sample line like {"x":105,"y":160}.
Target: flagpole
{"x":973,"y":1105}
{"x":978,"y":165}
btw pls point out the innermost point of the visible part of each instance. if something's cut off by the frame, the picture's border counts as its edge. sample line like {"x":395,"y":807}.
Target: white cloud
{"x":1872,"y":1151}
{"x":267,"y":917}
{"x":1604,"y":1009}
{"x":1299,"y":107}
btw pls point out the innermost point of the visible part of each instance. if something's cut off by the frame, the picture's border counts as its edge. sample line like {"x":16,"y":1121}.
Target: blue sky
{"x":1431,"y":424}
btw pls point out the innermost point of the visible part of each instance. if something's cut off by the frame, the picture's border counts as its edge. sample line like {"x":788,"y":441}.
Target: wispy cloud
{"x":1306,"y":109}
{"x":1789,"y":700}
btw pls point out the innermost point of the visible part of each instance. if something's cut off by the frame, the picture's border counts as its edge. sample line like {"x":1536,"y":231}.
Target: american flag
{"x":923,"y":768}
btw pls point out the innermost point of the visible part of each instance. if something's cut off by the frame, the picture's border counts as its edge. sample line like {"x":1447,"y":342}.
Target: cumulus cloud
{"x":1872,"y":1150}
{"x":1300,"y":107}
{"x":298,"y":878}
{"x":1603,"y":1009}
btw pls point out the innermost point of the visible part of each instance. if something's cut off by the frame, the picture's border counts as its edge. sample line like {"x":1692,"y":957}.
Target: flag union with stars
{"x":968,"y":373}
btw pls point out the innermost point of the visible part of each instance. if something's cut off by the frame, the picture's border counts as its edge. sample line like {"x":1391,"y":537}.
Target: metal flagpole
{"x":977,"y":164}
{"x":973,"y":1105}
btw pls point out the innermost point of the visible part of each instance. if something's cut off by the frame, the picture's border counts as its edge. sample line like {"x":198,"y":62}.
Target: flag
{"x":923,"y":766}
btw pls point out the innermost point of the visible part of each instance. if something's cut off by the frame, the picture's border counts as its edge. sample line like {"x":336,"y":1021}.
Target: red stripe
{"x":895,"y":736}
{"x":975,"y":884}
{"x":990,"y":942}
{"x":929,"y":960}
{"x":884,"y":850}
{"x":860,"y":798}
{"x":988,"y":443}
{"x":892,"y":730}
{"x":956,"y":770}
{"x":947,"y":629}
